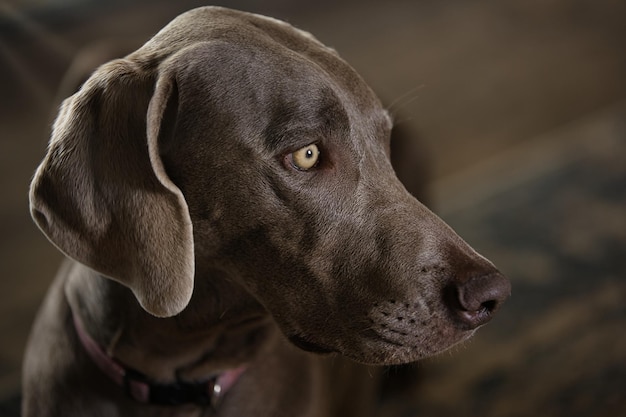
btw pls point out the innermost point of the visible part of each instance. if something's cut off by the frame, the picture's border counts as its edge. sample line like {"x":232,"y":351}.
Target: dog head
{"x":238,"y":142}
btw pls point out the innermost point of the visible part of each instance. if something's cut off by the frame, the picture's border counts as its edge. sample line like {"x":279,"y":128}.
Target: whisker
{"x":404,"y":99}
{"x":403,"y":120}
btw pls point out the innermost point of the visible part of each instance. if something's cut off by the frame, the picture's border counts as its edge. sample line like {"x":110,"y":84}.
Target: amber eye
{"x":305,"y":158}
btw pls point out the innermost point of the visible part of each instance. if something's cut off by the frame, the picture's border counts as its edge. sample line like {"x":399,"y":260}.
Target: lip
{"x":391,"y":347}
{"x":394,"y":347}
{"x":305,"y":344}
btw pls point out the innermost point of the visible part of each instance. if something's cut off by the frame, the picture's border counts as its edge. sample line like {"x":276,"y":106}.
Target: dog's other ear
{"x":102,"y":196}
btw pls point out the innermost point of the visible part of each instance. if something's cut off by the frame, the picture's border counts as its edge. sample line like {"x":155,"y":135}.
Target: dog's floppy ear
{"x":102,"y":195}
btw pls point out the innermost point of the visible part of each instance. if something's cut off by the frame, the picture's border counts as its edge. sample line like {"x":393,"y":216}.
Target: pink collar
{"x":144,"y":390}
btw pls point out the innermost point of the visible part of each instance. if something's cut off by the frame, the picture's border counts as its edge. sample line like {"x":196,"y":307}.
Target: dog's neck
{"x":212,"y":334}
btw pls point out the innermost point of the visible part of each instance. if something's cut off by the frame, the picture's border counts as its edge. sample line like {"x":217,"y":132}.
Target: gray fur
{"x":195,"y":246}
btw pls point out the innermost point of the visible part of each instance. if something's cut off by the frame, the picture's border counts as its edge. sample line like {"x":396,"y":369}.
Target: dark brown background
{"x":521,"y":106}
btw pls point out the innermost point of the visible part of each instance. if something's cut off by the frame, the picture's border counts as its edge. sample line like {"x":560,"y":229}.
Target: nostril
{"x":490,"y":305}
{"x":475,"y":300}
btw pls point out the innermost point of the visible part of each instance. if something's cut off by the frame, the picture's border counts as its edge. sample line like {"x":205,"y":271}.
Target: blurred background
{"x":519,"y":107}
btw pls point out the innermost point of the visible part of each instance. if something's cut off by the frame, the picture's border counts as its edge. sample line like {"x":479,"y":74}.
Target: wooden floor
{"x":479,"y":82}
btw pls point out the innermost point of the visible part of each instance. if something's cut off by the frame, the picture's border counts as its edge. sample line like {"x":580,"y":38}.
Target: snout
{"x":474,"y":300}
{"x":424,"y":323}
{"x":440,"y":290}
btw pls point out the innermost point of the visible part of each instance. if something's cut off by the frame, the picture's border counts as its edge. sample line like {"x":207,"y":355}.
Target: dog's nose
{"x":477,"y":298}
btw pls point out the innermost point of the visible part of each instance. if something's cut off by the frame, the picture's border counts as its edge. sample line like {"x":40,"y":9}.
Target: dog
{"x":237,"y":241}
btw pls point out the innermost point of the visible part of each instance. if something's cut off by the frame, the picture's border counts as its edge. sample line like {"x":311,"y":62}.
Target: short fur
{"x":196,"y":246}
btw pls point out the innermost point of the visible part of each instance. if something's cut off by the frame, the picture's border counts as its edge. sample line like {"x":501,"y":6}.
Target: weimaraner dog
{"x":239,"y":243}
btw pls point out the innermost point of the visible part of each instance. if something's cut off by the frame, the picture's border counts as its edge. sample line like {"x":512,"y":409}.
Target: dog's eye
{"x":305,"y":158}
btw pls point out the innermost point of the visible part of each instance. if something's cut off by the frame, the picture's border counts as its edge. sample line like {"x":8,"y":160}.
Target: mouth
{"x":305,"y":344}
{"x":385,"y":338}
{"x":383,"y":348}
